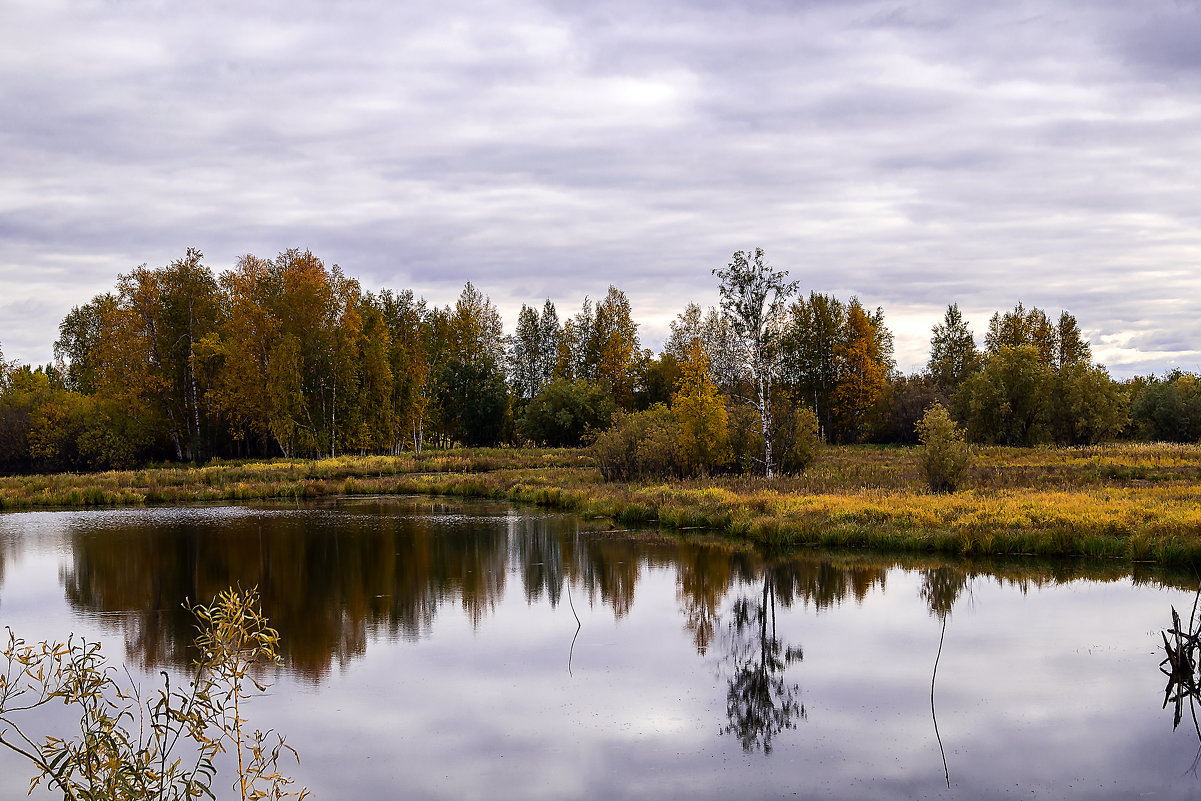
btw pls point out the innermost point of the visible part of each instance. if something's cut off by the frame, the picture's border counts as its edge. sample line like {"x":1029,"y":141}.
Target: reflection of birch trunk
{"x":759,"y":705}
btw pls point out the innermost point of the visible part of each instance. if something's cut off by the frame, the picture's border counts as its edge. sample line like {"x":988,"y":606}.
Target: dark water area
{"x":440,"y":650}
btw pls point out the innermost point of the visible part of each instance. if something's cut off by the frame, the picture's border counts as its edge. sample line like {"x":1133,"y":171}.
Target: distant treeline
{"x":289,"y":357}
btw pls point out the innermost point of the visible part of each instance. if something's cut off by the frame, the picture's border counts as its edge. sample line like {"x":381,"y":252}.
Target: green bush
{"x":564,"y":413}
{"x":944,"y":455}
{"x":797,"y":441}
{"x":1169,"y":410}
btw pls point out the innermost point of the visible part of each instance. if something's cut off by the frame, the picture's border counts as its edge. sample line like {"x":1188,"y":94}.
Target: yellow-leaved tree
{"x":862,"y":370}
{"x":701,"y":413}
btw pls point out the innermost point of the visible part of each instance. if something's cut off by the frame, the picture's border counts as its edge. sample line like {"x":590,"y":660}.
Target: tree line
{"x":291,"y":357}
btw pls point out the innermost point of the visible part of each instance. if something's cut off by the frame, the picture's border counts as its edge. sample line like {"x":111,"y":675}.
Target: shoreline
{"x":1132,"y":502}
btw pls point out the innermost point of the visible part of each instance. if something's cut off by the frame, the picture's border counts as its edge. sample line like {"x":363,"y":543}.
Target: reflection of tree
{"x":941,"y":587}
{"x":383,"y":568}
{"x":703,"y":577}
{"x":328,"y":587}
{"x":759,"y":703}
{"x":610,"y":568}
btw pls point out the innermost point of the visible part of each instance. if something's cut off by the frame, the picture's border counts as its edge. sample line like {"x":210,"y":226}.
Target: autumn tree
{"x":863,"y":359}
{"x":22,"y":391}
{"x":712,"y":330}
{"x":614,"y":348}
{"x":286,"y":354}
{"x":753,"y":295}
{"x":140,"y":349}
{"x":575,"y":357}
{"x":656,"y":377}
{"x":79,"y":337}
{"x":409,"y":361}
{"x":372,"y":421}
{"x":1018,"y":328}
{"x":701,"y":413}
{"x":813,"y":329}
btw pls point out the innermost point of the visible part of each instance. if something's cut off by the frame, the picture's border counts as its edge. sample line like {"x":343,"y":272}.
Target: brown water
{"x":451,"y":651}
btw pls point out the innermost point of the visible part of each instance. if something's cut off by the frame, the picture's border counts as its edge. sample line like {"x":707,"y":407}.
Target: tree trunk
{"x":764,"y":398}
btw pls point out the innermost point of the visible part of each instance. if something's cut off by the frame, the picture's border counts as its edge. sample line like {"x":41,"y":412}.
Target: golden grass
{"x":1132,"y":502}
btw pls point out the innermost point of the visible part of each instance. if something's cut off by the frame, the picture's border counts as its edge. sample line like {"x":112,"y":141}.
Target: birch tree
{"x":753,"y":294}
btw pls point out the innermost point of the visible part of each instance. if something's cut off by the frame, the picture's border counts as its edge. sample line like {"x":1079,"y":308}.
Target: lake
{"x":459,"y":650}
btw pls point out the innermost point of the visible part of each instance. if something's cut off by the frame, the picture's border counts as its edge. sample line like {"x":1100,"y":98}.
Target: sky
{"x":911,"y":154}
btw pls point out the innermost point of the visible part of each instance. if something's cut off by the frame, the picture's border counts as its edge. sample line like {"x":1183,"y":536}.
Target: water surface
{"x":439,"y":651}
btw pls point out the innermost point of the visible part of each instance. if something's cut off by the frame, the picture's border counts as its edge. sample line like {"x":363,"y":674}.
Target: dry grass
{"x":1133,"y":502}
{"x":260,"y":479}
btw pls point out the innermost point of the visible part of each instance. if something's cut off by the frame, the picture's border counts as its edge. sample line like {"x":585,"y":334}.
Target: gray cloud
{"x":914,"y":154}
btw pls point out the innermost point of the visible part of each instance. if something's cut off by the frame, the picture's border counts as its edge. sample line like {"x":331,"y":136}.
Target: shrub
{"x":944,"y":455}
{"x":564,"y":412}
{"x":115,"y":755}
{"x":797,"y":441}
{"x":746,"y":440}
{"x":641,"y":445}
{"x":616,"y":450}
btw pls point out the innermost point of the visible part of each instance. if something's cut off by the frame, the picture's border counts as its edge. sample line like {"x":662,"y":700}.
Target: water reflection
{"x":759,"y":702}
{"x":385,"y":569}
{"x":1182,"y":646}
{"x":941,"y":587}
{"x":456,"y":620}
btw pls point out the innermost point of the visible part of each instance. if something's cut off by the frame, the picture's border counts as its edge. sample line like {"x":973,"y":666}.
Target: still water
{"x":473,"y":651}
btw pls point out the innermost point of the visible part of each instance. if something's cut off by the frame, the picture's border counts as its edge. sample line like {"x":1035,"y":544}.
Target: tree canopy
{"x":289,"y":356}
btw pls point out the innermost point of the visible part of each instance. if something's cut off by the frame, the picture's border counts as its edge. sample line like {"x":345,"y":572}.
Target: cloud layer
{"x":913,"y":154}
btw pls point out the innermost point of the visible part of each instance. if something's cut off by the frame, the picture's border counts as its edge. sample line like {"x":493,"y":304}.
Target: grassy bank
{"x":264,"y":479}
{"x":1133,"y":502}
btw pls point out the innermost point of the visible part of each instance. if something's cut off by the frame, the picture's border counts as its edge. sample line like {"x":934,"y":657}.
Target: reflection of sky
{"x":1054,"y":693}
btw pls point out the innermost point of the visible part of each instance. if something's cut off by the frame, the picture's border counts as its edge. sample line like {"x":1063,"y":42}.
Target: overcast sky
{"x":913,"y":154}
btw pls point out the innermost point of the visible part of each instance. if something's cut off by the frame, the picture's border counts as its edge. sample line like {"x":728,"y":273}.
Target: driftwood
{"x":1182,"y":645}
